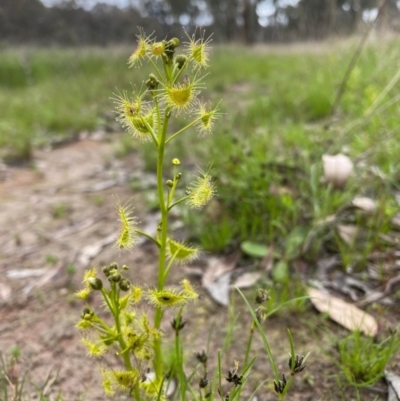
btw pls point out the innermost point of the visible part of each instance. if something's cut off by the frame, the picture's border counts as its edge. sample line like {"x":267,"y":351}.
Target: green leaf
{"x":280,"y":272}
{"x":254,"y":249}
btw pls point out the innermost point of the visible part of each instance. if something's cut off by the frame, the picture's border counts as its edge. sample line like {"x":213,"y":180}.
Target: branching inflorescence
{"x":171,"y":89}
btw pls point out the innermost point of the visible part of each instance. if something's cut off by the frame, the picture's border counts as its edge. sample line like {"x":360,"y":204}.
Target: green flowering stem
{"x":181,"y":70}
{"x":179,"y":357}
{"x":163,"y":242}
{"x":178,"y":201}
{"x":183,"y":129}
{"x":116,"y":314}
{"x":148,"y":236}
{"x":156,"y":69}
{"x":150,"y":128}
{"x":170,"y":264}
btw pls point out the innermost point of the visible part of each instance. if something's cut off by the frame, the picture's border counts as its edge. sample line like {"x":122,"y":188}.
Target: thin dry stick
{"x":354,"y":59}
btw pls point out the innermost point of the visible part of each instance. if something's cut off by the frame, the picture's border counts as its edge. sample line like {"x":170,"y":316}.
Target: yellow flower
{"x":158,"y":48}
{"x":127,"y":237}
{"x":180,"y":252}
{"x":143,"y":46}
{"x":201,"y":191}
{"x":135,"y":115}
{"x":207,"y":117}
{"x":198,"y":50}
{"x":83,"y":294}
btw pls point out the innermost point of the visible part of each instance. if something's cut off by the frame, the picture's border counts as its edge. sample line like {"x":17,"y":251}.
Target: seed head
{"x":280,"y":385}
{"x":201,"y":357}
{"x":298,"y":365}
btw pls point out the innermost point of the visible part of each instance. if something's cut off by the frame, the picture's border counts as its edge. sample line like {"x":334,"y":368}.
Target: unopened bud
{"x":115,"y":277}
{"x":180,"y":61}
{"x":203,"y":382}
{"x":179,"y":176}
{"x":176,"y":162}
{"x":124,"y":284}
{"x":152,"y":82}
{"x":106,"y":270}
{"x":87,"y":314}
{"x":170,"y":183}
{"x":174,"y":42}
{"x":95,"y":283}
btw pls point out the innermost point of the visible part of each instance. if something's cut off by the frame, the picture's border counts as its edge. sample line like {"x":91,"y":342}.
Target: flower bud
{"x":124,"y":284}
{"x":152,"y":82}
{"x":261,"y":314}
{"x":115,"y":277}
{"x":87,"y":314}
{"x":173,"y":43}
{"x":180,"y":61}
{"x":179,"y":176}
{"x":170,"y":183}
{"x":158,"y":48}
{"x":125,"y":267}
{"x":176,"y":162}
{"x":95,"y":283}
{"x":106,"y":270}
{"x":114,"y":266}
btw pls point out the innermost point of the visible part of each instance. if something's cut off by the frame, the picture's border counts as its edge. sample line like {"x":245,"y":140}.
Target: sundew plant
{"x":132,"y":335}
{"x":171,"y":90}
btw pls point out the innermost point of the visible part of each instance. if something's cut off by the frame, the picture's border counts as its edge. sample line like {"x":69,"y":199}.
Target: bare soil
{"x":59,"y":212}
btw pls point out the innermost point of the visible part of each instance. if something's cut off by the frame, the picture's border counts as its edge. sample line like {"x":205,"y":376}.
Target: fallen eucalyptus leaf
{"x":348,"y":233}
{"x":337,"y":169}
{"x":367,"y":205}
{"x":219,"y":289}
{"x":247,"y":280}
{"x":347,"y":315}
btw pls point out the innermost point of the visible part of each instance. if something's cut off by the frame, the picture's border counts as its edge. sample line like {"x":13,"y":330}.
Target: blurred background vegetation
{"x":60,"y":62}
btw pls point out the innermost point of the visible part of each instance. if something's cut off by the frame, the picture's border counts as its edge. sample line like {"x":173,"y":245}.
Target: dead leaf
{"x":5,"y":292}
{"x":393,"y":383}
{"x":348,"y":233}
{"x":367,"y":205}
{"x":247,"y":280}
{"x":347,"y":315}
{"x":337,"y":169}
{"x":217,"y":276}
{"x":218,"y":267}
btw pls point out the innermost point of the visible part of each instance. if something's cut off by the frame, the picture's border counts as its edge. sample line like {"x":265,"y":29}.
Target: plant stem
{"x":163,"y":242}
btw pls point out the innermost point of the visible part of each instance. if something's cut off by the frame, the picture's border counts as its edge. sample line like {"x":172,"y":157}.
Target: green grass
{"x":266,"y":148}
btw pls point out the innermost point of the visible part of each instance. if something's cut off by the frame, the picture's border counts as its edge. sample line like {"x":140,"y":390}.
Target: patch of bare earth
{"x":57,"y":219}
